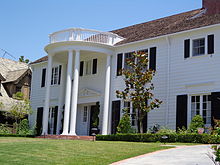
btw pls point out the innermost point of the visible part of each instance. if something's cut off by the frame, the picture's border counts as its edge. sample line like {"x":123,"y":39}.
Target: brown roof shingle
{"x":163,"y":26}
{"x":167,"y":25}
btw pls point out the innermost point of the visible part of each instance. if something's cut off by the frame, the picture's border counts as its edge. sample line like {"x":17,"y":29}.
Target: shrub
{"x":124,"y":125}
{"x":15,"y":135}
{"x":23,"y":128}
{"x":164,"y":130}
{"x":172,"y":138}
{"x":4,"y":129}
{"x":197,"y":122}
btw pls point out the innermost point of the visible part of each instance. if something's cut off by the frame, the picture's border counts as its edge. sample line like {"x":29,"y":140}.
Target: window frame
{"x":85,"y":114}
{"x":132,"y":113}
{"x":85,"y":69}
{"x":54,"y":81}
{"x":123,"y":57}
{"x":91,"y":67}
{"x":198,"y":47}
{"x":201,"y":107}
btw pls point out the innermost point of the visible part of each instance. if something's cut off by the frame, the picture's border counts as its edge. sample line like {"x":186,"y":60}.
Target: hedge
{"x":15,"y":135}
{"x":172,"y":138}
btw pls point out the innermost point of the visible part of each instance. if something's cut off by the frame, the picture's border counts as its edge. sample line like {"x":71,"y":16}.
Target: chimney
{"x":212,"y":6}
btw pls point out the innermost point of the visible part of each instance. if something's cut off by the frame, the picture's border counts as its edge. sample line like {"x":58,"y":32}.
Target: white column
{"x":47,"y":96}
{"x":106,"y":98}
{"x":61,"y":99}
{"x":75,"y":94}
{"x":68,"y":93}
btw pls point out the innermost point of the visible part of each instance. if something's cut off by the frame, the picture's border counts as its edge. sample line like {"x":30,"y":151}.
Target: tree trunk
{"x":141,"y":116}
{"x":141,"y":126}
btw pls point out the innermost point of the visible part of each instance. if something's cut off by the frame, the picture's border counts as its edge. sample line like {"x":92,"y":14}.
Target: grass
{"x":31,"y":151}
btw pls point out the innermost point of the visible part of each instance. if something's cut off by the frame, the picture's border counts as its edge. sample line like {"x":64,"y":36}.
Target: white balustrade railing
{"x":86,"y":35}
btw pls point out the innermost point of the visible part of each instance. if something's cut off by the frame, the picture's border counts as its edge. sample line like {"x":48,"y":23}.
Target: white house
{"x":82,"y":69}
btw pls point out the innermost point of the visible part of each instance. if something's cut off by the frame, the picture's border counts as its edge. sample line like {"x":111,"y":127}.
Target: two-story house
{"x":82,"y":68}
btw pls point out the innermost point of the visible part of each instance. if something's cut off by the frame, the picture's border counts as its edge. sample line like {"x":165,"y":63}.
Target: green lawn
{"x":22,"y":151}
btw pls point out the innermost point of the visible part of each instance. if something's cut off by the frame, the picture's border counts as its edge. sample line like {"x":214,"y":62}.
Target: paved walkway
{"x":182,"y":155}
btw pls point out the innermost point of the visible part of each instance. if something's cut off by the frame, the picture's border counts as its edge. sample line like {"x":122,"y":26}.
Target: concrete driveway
{"x":181,"y":155}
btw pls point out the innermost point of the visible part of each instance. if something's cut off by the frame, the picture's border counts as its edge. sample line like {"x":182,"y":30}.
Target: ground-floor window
{"x":85,"y":113}
{"x":132,"y":113}
{"x":201,"y":105}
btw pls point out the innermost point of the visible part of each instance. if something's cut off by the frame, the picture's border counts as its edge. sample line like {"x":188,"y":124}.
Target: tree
{"x":139,"y":86}
{"x":124,"y":125}
{"x":19,"y":110}
{"x":21,"y":59}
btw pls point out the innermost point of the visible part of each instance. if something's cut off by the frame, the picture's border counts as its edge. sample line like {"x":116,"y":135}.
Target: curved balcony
{"x":85,"y":35}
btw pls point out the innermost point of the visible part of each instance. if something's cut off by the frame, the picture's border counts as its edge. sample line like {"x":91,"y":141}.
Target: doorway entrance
{"x":94,"y":119}
{"x":52,"y":120}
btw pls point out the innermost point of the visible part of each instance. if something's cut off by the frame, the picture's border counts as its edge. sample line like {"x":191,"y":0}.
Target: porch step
{"x":68,"y":137}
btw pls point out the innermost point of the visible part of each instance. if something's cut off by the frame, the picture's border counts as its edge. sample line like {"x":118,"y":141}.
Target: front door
{"x":52,"y":120}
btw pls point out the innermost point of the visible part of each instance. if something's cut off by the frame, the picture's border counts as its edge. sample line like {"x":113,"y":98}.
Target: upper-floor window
{"x":55,"y":75}
{"x":122,"y":59}
{"x":199,"y":47}
{"x":128,"y":56}
{"x":88,"y":67}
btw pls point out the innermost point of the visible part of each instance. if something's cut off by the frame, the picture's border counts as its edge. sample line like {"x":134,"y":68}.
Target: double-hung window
{"x":128,"y":56}
{"x":201,"y":105}
{"x":199,"y":47}
{"x":88,"y":67}
{"x":55,"y":75}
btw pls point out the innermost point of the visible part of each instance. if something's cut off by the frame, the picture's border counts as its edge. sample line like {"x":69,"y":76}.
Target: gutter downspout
{"x":168,"y":79}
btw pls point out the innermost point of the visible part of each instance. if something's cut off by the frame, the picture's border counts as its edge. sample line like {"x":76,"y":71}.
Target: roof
{"x":163,"y":26}
{"x":15,"y":75}
{"x":42,"y":59}
{"x":7,"y":65}
{"x":1,"y":77}
{"x":168,"y":25}
{"x":12,"y":71}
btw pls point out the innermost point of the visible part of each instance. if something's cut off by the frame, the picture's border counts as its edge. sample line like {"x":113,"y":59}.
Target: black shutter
{"x":153,"y":52}
{"x":94,"y":66}
{"x":181,"y":111}
{"x":52,"y":76}
{"x":81,"y":68}
{"x":60,"y":71}
{"x":119,"y":64}
{"x":116,"y":107}
{"x":43,"y":79}
{"x":55,"y":120}
{"x":211,"y":44}
{"x":187,"y":48}
{"x":39,"y":120}
{"x":215,"y":98}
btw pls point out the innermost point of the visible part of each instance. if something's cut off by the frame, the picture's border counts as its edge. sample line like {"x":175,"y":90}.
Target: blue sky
{"x":26,"y":24}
